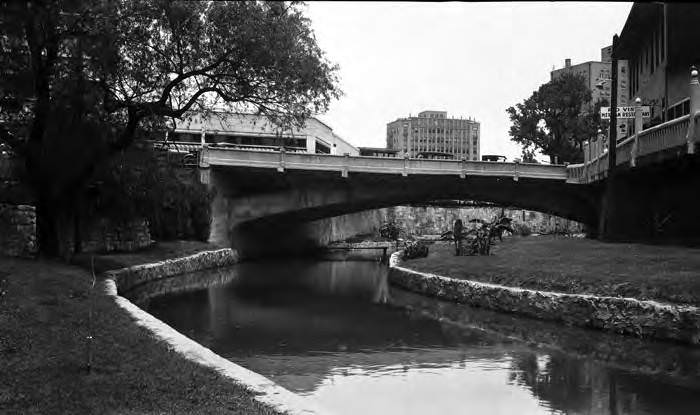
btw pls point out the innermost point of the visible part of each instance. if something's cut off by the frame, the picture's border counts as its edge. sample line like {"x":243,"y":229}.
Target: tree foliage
{"x":556,"y":120}
{"x":82,"y":79}
{"x":150,"y":185}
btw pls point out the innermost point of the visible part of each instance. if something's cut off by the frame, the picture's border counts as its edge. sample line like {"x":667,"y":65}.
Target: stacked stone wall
{"x":18,"y":230}
{"x":437,"y":220}
{"x":107,"y":237}
{"x":648,"y":319}
{"x":131,"y":277}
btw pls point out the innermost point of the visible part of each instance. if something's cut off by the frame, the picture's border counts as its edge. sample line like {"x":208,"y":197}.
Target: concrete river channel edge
{"x":350,"y":337}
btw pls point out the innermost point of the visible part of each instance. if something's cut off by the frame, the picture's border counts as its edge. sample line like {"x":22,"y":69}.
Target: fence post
{"x":638,"y":125}
{"x":463,"y":168}
{"x":404,"y":173}
{"x":694,"y":107}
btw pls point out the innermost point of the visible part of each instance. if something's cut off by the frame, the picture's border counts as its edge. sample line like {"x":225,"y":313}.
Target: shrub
{"x":138,"y":183}
{"x":414,"y":249}
{"x":390,"y":230}
{"x":521,"y":229}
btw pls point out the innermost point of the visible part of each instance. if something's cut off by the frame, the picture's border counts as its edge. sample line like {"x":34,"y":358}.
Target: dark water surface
{"x":335,"y":331}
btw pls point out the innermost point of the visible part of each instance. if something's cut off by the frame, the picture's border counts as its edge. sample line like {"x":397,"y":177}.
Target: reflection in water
{"x":336,"y":332}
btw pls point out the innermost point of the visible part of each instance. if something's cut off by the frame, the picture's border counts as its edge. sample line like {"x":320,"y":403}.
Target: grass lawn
{"x":156,"y":252}
{"x":577,"y":265}
{"x":43,"y":327}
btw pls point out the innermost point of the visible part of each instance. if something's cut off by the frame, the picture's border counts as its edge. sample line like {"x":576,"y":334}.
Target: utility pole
{"x":608,"y":204}
{"x":612,"y":143}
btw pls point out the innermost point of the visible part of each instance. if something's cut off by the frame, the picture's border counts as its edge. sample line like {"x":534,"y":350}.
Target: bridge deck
{"x":356,"y":164}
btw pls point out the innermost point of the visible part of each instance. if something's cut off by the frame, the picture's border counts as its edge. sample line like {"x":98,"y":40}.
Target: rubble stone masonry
{"x":18,"y":230}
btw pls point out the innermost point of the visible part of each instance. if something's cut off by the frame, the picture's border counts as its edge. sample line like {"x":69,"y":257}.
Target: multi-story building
{"x":660,"y":42}
{"x":258,"y":131}
{"x":597,"y":75}
{"x":433,"y":135}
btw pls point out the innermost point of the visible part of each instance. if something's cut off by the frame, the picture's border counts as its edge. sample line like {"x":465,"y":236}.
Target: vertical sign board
{"x":622,"y":96}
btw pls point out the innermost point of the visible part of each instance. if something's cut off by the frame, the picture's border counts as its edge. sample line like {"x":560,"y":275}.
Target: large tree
{"x":556,"y":120}
{"x":81,"y":79}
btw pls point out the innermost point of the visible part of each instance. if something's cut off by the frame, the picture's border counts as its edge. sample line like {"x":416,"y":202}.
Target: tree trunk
{"x":47,"y":225}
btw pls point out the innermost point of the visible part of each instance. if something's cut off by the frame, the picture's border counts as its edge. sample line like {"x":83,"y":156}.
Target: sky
{"x":469,"y":59}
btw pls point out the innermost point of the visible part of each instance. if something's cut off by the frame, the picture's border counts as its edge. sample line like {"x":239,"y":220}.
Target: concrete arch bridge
{"x":269,"y":198}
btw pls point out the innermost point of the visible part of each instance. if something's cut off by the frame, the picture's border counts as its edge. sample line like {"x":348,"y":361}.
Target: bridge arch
{"x":256,"y":207}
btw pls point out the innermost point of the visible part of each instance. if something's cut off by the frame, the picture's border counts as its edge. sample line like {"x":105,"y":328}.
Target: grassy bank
{"x":44,"y":309}
{"x":576,"y":265}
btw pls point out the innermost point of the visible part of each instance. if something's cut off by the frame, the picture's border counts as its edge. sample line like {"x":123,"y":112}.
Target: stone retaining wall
{"x":105,"y":235}
{"x":430,"y":220}
{"x":280,"y":400}
{"x":648,"y":319}
{"x":18,"y":230}
{"x":128,"y":278}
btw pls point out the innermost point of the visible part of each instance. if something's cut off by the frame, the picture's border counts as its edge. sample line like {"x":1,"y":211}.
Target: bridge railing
{"x":661,"y":137}
{"x":680,"y":133}
{"x":282,"y":160}
{"x":188,"y":146}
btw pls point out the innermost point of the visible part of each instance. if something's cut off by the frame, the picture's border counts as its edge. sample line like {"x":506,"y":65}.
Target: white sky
{"x":469,"y":59}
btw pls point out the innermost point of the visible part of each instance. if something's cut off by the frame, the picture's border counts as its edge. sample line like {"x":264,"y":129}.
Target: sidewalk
{"x":44,"y":309}
{"x":669,"y":274}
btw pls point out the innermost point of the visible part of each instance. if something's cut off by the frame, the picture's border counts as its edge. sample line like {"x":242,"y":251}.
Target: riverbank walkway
{"x":44,"y":324}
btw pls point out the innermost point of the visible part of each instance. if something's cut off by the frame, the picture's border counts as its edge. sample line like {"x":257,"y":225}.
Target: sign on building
{"x":624,"y":112}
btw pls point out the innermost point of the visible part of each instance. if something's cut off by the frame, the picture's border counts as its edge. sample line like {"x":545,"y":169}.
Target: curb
{"x":267,"y":392}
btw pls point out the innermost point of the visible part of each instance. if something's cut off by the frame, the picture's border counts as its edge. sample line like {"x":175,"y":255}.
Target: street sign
{"x":624,"y":112}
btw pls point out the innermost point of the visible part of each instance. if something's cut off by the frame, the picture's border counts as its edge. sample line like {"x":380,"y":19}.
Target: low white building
{"x":257,"y":131}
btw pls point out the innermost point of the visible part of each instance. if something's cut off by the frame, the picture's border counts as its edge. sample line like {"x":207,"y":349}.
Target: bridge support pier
{"x":654,"y":205}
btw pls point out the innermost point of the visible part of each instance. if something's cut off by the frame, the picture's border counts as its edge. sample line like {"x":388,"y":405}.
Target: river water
{"x":335,"y":331}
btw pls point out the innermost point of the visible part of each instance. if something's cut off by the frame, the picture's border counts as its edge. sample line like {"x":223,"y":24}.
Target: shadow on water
{"x":336,"y":331}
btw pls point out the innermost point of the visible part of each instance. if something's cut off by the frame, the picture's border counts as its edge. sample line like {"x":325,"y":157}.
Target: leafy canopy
{"x":146,"y":59}
{"x":556,"y":119}
{"x":81,"y":79}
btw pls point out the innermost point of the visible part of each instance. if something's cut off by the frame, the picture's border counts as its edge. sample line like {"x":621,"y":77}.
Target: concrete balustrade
{"x":346,"y":165}
{"x":681,"y":132}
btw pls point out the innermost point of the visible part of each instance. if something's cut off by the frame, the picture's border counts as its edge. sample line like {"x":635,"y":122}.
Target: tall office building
{"x":432,"y":135}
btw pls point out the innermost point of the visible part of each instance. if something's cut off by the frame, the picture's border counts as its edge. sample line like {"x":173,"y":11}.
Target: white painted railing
{"x":661,"y":137}
{"x":680,"y":134}
{"x":216,"y":156}
{"x":671,"y":134}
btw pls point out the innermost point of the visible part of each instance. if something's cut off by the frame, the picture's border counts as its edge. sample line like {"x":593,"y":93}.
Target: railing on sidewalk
{"x":680,"y":133}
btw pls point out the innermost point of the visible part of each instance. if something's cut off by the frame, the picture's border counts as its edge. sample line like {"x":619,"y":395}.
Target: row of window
{"x":236,"y":139}
{"x":652,"y":56}
{"x":417,"y":130}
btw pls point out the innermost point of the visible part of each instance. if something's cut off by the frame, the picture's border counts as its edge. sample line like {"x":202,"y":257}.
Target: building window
{"x":663,"y":38}
{"x":653,"y":52}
